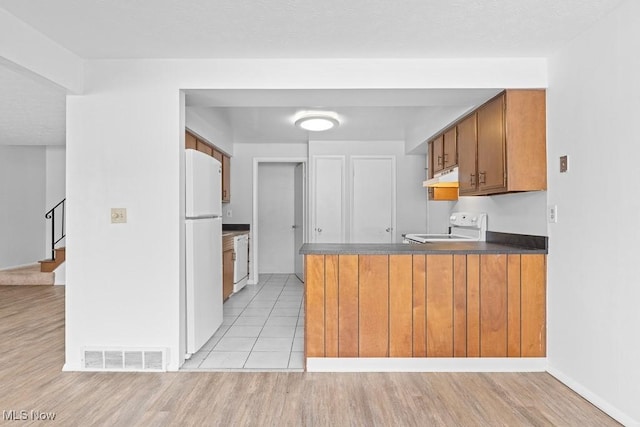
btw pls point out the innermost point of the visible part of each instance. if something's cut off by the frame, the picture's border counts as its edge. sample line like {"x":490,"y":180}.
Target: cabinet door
{"x":467,"y":152}
{"x":204,"y":147}
{"x":217,"y":155}
{"x":226,"y":179}
{"x":438,"y":155}
{"x":491,"y":147}
{"x":190,"y":141}
{"x":430,"y":160}
{"x":227,"y":273}
{"x":450,"y":153}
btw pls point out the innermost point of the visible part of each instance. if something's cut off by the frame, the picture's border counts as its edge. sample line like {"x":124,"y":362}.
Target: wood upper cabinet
{"x":204,"y":147}
{"x":467,"y":154}
{"x":442,"y":155}
{"x":193,"y":142}
{"x":190,"y":141}
{"x":226,"y":178}
{"x":438,"y":154}
{"x":509,"y":135}
{"x":449,"y":151}
{"x":217,"y":155}
{"x":443,"y":152}
{"x":491,"y":146}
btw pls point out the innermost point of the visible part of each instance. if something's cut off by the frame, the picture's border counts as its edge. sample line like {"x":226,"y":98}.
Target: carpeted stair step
{"x":29,"y":275}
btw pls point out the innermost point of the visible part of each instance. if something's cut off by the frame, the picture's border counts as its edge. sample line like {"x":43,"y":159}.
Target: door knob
{"x":319,"y":230}
{"x":294,"y":226}
{"x":388,"y":230}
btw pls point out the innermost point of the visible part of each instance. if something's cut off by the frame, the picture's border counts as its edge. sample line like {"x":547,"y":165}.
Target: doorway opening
{"x":263,"y":325}
{"x":279,"y":225}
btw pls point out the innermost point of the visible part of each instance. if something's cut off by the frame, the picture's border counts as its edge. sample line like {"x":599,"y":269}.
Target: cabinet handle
{"x":446,"y":157}
{"x":439,"y":160}
{"x":224,"y":194}
{"x":473,"y":180}
{"x":482,"y":178}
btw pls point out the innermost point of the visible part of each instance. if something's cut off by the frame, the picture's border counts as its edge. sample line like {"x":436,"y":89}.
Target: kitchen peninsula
{"x":436,"y":300}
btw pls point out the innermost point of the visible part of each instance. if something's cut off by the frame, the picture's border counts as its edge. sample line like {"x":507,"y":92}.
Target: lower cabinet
{"x":228,"y":258}
{"x":467,"y":305}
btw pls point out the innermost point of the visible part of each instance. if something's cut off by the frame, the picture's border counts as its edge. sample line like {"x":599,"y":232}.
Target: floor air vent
{"x":124,"y":360}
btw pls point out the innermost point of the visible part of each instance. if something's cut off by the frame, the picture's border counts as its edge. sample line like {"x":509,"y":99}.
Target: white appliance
{"x":464,"y":226}
{"x":241,"y":262}
{"x":203,"y":227}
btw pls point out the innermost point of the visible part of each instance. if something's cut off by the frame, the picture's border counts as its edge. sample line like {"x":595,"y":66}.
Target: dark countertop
{"x":234,"y":233}
{"x":236,"y":227}
{"x":459,"y":248}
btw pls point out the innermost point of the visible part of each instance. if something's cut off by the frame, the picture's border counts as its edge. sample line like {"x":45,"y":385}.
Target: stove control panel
{"x":468,"y":219}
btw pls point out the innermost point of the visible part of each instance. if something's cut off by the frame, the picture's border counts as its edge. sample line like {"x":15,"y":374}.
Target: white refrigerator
{"x":203,"y":224}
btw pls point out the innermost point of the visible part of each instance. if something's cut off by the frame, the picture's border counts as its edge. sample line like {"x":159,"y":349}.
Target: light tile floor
{"x":262,"y":330}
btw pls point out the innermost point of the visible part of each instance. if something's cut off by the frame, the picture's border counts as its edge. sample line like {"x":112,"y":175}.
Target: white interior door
{"x":328,"y":193}
{"x":276,"y":217}
{"x":298,"y":215}
{"x":373,"y":196}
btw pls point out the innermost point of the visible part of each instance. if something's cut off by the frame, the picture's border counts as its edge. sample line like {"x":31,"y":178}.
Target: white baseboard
{"x":595,"y":399}
{"x":425,"y":364}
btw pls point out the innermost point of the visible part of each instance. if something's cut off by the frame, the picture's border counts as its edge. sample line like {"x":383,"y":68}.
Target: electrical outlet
{"x":552,"y":213}
{"x":118,"y":215}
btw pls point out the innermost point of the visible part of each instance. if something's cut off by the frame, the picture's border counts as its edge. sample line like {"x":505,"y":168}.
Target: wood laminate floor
{"x":32,"y":342}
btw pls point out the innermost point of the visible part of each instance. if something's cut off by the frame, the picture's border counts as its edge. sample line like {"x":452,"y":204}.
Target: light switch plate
{"x":564,"y":164}
{"x":118,"y":215}
{"x":552,"y":213}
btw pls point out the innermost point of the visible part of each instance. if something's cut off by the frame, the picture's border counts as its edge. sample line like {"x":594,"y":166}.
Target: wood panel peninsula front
{"x":466,"y":299}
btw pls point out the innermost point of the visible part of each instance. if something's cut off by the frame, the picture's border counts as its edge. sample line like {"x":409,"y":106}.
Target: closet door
{"x":328,"y":199}
{"x":373,"y":195}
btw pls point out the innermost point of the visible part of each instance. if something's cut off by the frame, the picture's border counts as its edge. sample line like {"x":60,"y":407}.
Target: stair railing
{"x":52,"y":216}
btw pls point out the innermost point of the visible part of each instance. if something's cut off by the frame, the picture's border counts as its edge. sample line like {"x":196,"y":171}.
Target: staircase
{"x":41,"y":274}
{"x":29,"y":275}
{"x":57,"y":254}
{"x":48,"y":265}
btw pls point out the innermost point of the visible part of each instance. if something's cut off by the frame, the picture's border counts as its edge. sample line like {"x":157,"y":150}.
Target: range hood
{"x":448,"y":178}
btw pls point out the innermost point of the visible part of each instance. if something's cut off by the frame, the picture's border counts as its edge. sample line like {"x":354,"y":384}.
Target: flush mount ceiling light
{"x":316,"y":121}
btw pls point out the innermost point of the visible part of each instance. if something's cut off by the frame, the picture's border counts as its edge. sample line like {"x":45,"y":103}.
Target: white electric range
{"x":464,"y":226}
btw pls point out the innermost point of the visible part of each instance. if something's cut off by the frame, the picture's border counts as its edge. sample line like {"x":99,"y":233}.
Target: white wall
{"x":520,"y":213}
{"x":275,"y":217}
{"x":241,"y":205}
{"x":593,"y":103}
{"x":411,"y":197}
{"x":22,"y":205}
{"x":55,"y":176}
{"x":125,"y":149}
{"x":210,"y":125}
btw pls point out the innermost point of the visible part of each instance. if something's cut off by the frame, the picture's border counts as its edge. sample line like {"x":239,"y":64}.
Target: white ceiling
{"x":309,"y":28}
{"x":31,"y":112}
{"x":291,"y":29}
{"x":371,"y":114}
